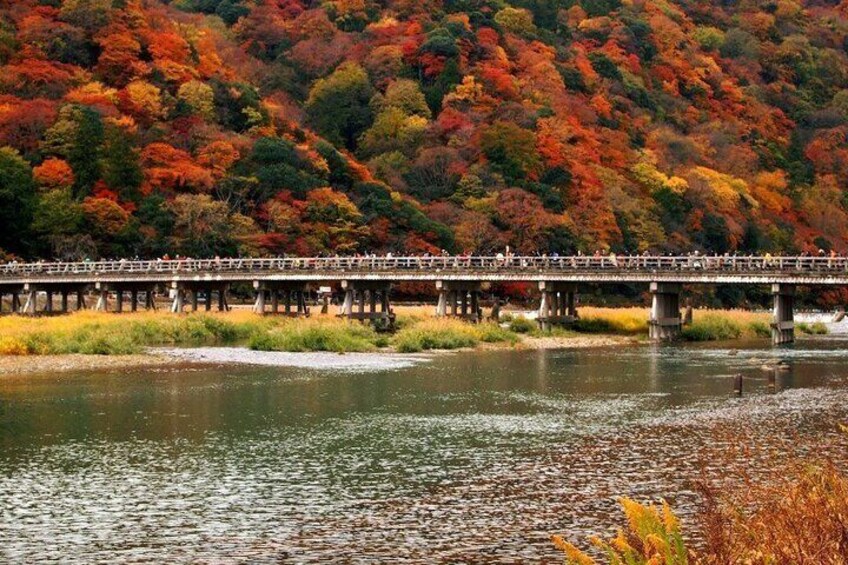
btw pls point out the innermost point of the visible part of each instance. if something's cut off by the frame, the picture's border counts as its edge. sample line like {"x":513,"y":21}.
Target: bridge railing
{"x":458,"y":264}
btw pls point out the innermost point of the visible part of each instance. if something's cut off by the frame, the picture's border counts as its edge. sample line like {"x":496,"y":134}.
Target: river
{"x":472,"y":456}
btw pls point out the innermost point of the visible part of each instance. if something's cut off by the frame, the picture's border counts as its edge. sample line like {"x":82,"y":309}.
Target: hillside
{"x":204,"y":127}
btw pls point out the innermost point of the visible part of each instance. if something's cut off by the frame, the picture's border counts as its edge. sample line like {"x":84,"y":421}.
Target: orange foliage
{"x":54,"y":173}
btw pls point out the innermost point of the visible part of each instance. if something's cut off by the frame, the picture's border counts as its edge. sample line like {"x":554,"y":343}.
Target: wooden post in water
{"x":737,"y":390}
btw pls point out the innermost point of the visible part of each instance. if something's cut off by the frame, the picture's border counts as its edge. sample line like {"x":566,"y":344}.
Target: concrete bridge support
{"x":14,"y":292}
{"x":33,"y":294}
{"x":459,"y":299}
{"x":783,"y":323}
{"x":193,"y":290}
{"x":293,"y":295}
{"x":138,"y":294}
{"x":30,"y":307}
{"x":179,"y":294}
{"x":368,"y":301}
{"x":558,"y":304}
{"x":188,"y":293}
{"x":665,"y":322}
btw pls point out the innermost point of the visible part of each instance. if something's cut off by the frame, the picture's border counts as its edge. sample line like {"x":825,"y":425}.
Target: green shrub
{"x":522,"y":325}
{"x":712,"y":328}
{"x":759,"y":329}
{"x":417,"y":338}
{"x":494,"y":333}
{"x":593,"y":326}
{"x":311,"y":336}
{"x":816,"y":328}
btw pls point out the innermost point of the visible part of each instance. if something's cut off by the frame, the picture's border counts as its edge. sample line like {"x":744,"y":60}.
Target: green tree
{"x":444,"y":83}
{"x":121,"y":168}
{"x":56,"y":217}
{"x":198,"y":96}
{"x":17,"y":200}
{"x":84,"y":153}
{"x":511,"y":149}
{"x":338,"y":106}
{"x":516,"y":20}
{"x":201,"y":226}
{"x":393,"y":130}
{"x":406,"y":96}
{"x":56,"y":213}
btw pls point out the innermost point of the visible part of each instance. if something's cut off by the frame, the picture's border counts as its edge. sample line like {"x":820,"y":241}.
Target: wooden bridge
{"x":366,"y":283}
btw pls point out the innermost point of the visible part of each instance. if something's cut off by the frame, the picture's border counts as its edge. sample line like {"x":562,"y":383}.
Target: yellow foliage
{"x":645,"y":172}
{"x":723,"y":190}
{"x":146,"y":97}
{"x":10,"y":345}
{"x":653,"y":537}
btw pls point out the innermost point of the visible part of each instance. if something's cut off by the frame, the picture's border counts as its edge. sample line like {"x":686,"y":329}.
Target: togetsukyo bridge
{"x":366,"y":283}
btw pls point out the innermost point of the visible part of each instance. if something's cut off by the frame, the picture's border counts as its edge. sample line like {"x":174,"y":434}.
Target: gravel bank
{"x":314,"y":360}
{"x":15,"y":365}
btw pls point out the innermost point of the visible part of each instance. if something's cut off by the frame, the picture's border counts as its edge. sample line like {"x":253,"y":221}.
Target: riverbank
{"x":90,"y":340}
{"x":196,"y":357}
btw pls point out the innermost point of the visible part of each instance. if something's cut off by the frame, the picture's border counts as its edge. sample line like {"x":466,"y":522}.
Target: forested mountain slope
{"x":203,"y":127}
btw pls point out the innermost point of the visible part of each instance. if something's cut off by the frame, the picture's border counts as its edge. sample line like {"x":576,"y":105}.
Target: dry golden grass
{"x":798,"y":514}
{"x":106,"y":333}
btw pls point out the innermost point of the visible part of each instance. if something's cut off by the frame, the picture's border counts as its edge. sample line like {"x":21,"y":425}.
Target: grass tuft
{"x":712,"y":328}
{"x":448,"y":334}
{"x":317,"y":335}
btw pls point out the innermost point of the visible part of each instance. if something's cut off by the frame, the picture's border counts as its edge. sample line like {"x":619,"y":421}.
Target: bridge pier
{"x":104,"y":289}
{"x":783,"y":322}
{"x":190,"y":291}
{"x":665,"y":322}
{"x":459,"y":299}
{"x":375,"y":293}
{"x":557,"y":305}
{"x":31,"y":304}
{"x":178,"y":305}
{"x":14,"y":292}
{"x":293,"y":294}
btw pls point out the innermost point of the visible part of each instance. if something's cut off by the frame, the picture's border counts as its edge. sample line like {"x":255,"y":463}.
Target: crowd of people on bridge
{"x":506,"y":259}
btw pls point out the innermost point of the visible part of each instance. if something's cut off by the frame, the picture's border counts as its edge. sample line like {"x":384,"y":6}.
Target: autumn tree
{"x":204,"y":227}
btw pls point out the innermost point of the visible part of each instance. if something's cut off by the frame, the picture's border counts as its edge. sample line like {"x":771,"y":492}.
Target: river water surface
{"x":472,"y":457}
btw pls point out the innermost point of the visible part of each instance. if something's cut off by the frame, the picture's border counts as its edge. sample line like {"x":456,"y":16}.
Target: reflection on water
{"x":469,"y":457}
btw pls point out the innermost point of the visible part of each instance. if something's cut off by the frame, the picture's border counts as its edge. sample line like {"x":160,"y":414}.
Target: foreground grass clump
{"x":653,"y":537}
{"x":448,"y":334}
{"x":798,"y":515}
{"x":338,"y":336}
{"x":800,"y":519}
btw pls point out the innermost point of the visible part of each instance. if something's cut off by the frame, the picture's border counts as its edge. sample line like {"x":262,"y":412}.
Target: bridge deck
{"x":682,"y":269}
